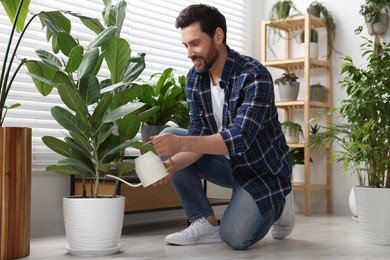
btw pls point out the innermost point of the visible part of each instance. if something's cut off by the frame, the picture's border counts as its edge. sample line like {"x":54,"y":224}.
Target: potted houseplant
{"x":15,"y":142}
{"x":101,"y":117}
{"x":375,"y":16}
{"x":298,"y":162}
{"x":364,"y":137}
{"x":281,"y":10}
{"x":165,"y":101}
{"x":292,"y":131}
{"x":318,"y":9}
{"x":313,"y":43}
{"x":318,"y":92}
{"x":288,"y":86}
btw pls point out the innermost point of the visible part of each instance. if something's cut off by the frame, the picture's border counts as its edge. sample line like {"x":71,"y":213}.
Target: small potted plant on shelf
{"x":100,"y":115}
{"x":318,"y":9}
{"x":298,"y":162}
{"x":376,"y":16}
{"x":292,"y":131}
{"x":165,"y":101}
{"x":363,"y":136}
{"x":318,"y":92}
{"x":288,"y":86}
{"x":313,"y":43}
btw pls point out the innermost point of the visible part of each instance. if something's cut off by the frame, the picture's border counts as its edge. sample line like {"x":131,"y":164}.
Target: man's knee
{"x":234,"y":239}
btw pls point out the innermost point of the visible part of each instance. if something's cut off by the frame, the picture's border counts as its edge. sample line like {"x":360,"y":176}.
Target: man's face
{"x":200,"y":47}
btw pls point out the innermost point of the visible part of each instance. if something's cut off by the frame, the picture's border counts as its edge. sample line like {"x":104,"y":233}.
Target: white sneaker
{"x":199,"y":232}
{"x":286,"y":222}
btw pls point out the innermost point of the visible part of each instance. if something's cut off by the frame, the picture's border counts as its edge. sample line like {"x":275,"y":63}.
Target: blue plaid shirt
{"x":250,"y":127}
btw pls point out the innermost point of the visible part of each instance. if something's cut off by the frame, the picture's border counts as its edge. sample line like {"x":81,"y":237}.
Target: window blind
{"x":149,"y":28}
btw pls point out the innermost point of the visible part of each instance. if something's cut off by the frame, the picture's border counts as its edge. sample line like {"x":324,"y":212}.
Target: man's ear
{"x":219,"y":35}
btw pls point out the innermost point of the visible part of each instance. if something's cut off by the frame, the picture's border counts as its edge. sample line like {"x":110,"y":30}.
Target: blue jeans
{"x":242,"y":224}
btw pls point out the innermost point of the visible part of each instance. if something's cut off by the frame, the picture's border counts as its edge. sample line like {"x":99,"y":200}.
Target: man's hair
{"x":209,"y":18}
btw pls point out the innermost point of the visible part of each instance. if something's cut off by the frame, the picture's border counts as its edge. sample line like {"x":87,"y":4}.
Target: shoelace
{"x":194,"y":225}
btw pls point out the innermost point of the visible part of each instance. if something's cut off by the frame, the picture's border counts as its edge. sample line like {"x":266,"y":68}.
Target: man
{"x":234,"y":140}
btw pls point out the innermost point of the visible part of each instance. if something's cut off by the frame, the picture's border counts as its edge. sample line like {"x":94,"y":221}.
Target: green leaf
{"x":125,"y":167}
{"x":91,"y":23}
{"x":82,"y":141}
{"x":117,"y":55}
{"x":49,"y":59}
{"x":121,"y":112}
{"x":73,"y":100}
{"x":135,"y":68}
{"x":120,"y":147}
{"x":57,"y":145}
{"x":75,"y":58}
{"x":11,"y":8}
{"x":62,"y":169}
{"x":103,"y":37}
{"x":67,"y":120}
{"x":55,"y":22}
{"x":120,"y":15}
{"x":89,"y":89}
{"x":102,"y":107}
{"x":148,"y":113}
{"x":113,"y":87}
{"x":66,"y":43}
{"x":88,"y":62}
{"x":128,"y":126}
{"x":98,"y":64}
{"x":39,"y":71}
{"x":104,"y":137}
{"x":127,"y":95}
{"x":75,"y":164}
{"x":78,"y":150}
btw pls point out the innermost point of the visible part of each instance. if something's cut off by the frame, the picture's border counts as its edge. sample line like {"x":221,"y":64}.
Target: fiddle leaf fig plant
{"x":17,"y":11}
{"x":100,"y":112}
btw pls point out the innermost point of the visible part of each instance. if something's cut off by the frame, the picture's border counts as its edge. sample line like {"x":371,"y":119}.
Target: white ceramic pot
{"x":313,"y":53}
{"x":373,"y":209}
{"x":93,"y":226}
{"x":298,"y":173}
{"x":352,"y":203}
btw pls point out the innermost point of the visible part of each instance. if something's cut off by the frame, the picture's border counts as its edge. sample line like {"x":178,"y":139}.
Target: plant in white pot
{"x":298,"y":163}
{"x":313,"y":44}
{"x":376,"y":17}
{"x":292,"y":131}
{"x":364,"y":137}
{"x":16,"y":142}
{"x":101,"y":117}
{"x":288,"y":87}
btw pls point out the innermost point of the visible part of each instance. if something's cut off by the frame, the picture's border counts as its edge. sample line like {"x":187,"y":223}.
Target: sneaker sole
{"x":205,"y":240}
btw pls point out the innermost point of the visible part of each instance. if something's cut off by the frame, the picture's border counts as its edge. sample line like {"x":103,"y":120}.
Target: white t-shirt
{"x":217,"y":99}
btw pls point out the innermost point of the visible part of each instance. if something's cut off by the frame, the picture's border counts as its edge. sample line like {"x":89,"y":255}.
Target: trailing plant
{"x":17,"y":12}
{"x":364,"y":133}
{"x":100,"y":113}
{"x":330,"y":25}
{"x":286,"y":78}
{"x":279,"y":12}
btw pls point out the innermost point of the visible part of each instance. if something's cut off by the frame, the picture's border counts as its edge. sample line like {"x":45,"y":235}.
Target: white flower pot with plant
{"x":292,"y":131}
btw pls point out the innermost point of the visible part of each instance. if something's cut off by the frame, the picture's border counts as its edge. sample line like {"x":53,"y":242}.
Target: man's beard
{"x":208,"y":61}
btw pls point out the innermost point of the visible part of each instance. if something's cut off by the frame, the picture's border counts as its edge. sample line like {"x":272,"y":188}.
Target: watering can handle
{"x":169,"y":157}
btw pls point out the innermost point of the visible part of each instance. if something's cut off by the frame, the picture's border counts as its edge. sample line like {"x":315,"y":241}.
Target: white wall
{"x":48,"y":189}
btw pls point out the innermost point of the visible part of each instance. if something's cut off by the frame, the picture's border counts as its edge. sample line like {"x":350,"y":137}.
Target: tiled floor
{"x":315,"y":237}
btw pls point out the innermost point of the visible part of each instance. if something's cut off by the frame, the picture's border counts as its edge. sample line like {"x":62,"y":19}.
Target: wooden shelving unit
{"x":305,"y":64}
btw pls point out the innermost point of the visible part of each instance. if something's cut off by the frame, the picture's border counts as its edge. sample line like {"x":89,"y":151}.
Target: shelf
{"x":296,"y":64}
{"x":313,"y":187}
{"x":300,"y":104}
{"x":296,"y":23}
{"x":302,"y":108}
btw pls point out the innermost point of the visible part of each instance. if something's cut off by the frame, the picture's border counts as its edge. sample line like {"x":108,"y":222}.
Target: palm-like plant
{"x":100,"y":115}
{"x":17,"y":11}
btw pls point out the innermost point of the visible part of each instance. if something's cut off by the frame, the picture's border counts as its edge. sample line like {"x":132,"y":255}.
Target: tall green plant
{"x":101,"y":114}
{"x":17,"y":11}
{"x":364,"y":134}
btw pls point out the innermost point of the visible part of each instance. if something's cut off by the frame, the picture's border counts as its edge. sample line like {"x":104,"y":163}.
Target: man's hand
{"x":167,"y":144}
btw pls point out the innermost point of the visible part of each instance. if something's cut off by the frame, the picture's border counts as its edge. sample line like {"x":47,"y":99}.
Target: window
{"x":149,"y":27}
